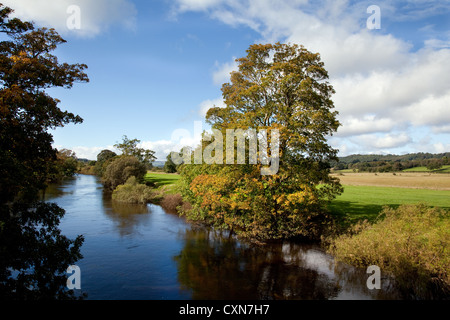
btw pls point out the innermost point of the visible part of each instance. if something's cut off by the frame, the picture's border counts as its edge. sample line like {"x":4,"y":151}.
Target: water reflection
{"x":55,"y":190}
{"x":127,"y":217}
{"x":213,"y":266}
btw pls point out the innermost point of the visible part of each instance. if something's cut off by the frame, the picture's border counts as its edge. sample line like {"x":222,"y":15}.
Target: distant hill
{"x":391,"y":162}
{"x":355,"y":158}
{"x":159,"y":164}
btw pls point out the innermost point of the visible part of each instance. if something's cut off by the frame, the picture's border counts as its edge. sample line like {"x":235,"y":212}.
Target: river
{"x":142,"y":252}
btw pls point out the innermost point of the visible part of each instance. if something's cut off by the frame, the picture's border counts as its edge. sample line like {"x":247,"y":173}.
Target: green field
{"x":444,"y":169}
{"x":161,"y":179}
{"x":367,"y":201}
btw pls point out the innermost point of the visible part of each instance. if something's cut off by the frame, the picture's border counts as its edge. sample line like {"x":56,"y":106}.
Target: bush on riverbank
{"x":134,"y":192}
{"x":171,"y":202}
{"x":411,"y":242}
{"x":120,"y":169}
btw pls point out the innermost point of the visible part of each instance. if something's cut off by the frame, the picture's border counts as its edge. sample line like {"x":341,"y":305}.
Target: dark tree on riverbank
{"x":34,"y":255}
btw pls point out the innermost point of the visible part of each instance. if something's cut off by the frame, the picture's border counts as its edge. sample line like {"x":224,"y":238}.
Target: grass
{"x":366,"y":202}
{"x":165,"y":182}
{"x":161,"y":179}
{"x":444,"y":169}
{"x":411,"y":242}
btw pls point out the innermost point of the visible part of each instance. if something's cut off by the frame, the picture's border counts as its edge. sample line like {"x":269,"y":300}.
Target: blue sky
{"x":156,"y":66}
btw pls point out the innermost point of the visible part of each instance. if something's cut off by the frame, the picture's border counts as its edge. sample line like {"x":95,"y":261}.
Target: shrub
{"x":133,"y":192}
{"x":170,"y":202}
{"x":120,"y":169}
{"x":410,"y":242}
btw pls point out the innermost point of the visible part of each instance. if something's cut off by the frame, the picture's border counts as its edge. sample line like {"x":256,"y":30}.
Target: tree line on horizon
{"x":391,"y":163}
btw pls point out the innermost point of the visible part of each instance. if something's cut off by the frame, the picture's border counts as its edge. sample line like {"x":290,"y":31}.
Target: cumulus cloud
{"x":161,"y":147}
{"x":207,"y":104}
{"x":432,"y":110}
{"x":388,"y":141}
{"x":94,"y":16}
{"x":367,"y":124}
{"x":222,"y":73}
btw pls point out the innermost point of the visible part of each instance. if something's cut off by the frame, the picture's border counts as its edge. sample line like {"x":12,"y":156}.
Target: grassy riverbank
{"x":162,"y":179}
{"x":166,"y":188}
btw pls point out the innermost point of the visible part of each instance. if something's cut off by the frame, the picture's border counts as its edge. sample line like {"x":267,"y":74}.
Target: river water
{"x":142,"y":252}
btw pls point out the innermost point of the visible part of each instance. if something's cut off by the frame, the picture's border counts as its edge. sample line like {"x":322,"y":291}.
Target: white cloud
{"x":368,"y":124}
{"x":395,"y":91}
{"x":381,"y":143}
{"x":431,"y":111}
{"x":161,"y":147}
{"x":391,"y":141}
{"x":196,"y":5}
{"x":207,"y":104}
{"x":440,"y":147}
{"x":222,"y":73}
{"x":95,"y":16}
{"x":437,"y":43}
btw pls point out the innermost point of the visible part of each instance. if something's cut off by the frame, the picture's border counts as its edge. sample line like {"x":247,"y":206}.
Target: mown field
{"x":366,"y":202}
{"x":365,"y":194}
{"x":161,"y":179}
{"x":166,"y":182}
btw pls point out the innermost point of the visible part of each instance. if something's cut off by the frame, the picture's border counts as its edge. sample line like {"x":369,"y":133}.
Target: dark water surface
{"x":142,"y":252}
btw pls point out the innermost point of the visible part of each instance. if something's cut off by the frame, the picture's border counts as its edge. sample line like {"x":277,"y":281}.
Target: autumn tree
{"x":34,"y":255}
{"x":277,"y":87}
